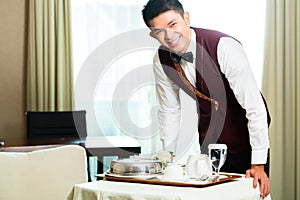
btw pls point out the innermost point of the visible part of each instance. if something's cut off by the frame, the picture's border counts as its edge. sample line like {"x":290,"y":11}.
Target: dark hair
{"x":155,"y":7}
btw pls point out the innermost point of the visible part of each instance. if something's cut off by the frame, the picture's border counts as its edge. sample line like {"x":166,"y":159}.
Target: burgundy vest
{"x":228,"y":124}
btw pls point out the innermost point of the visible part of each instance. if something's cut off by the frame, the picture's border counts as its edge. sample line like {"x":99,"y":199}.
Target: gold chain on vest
{"x":192,"y":88}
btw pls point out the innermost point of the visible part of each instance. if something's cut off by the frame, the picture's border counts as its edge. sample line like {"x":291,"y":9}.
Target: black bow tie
{"x":186,"y":56}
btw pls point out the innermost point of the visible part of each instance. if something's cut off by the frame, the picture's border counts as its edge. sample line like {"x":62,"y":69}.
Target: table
{"x":99,"y":146}
{"x":105,"y":190}
{"x":11,"y":142}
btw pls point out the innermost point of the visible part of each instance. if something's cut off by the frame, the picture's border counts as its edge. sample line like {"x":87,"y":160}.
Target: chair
{"x":44,"y":173}
{"x":60,"y":124}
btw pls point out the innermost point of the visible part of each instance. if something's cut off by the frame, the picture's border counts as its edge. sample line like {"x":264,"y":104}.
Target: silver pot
{"x":135,"y":166}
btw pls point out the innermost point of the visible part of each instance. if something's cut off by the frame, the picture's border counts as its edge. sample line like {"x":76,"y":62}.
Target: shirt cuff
{"x":259,"y":156}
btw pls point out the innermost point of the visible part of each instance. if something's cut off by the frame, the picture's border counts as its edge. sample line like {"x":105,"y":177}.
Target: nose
{"x":168,"y":33}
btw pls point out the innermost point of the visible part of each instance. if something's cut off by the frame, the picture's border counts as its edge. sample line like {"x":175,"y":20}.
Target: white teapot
{"x":198,"y":165}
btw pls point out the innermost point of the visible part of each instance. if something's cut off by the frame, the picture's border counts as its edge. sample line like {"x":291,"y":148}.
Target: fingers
{"x":248,"y":174}
{"x":255,"y":180}
{"x":262,"y":178}
{"x":252,"y":173}
{"x":264,"y":186}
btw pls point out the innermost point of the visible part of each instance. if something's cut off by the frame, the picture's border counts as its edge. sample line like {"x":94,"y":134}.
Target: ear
{"x":152,"y":35}
{"x":186,"y":17}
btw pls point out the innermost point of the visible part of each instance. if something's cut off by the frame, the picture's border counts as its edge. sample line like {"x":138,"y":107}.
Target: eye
{"x":158,"y":32}
{"x":173,"y":24}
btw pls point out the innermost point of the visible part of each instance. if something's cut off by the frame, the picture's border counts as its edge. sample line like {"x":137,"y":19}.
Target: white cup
{"x":198,"y":165}
{"x":174,"y":171}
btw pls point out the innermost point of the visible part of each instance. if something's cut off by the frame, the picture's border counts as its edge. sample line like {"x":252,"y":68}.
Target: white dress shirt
{"x":234,"y":64}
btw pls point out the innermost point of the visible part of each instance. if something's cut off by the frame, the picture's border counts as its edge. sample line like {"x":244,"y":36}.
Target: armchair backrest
{"x":42,"y":174}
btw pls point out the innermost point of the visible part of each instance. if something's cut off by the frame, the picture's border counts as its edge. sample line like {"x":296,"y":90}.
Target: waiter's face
{"x":172,"y":30}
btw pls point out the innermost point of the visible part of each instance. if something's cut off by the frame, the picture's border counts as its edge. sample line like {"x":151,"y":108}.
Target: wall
{"x":12,"y":68}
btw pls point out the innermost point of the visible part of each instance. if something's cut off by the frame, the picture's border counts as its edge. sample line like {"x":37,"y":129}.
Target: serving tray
{"x":181,"y":183}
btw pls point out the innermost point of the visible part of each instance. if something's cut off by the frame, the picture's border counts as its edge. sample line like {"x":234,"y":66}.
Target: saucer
{"x":162,"y":178}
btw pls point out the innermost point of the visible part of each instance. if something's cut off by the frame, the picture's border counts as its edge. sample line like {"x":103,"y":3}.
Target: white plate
{"x":173,"y":180}
{"x":146,"y":176}
{"x":191,"y":180}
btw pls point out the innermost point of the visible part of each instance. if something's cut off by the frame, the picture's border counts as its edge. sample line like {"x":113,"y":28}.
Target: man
{"x":215,"y":72}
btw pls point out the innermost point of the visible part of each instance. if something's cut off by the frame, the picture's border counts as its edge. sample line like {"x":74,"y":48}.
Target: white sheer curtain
{"x":97,"y":22}
{"x":244,"y":20}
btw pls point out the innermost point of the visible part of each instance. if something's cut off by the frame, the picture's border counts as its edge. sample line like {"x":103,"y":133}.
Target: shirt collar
{"x":192,"y":46}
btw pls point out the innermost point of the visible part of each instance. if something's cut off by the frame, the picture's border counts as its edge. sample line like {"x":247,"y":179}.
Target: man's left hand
{"x":259,"y":175}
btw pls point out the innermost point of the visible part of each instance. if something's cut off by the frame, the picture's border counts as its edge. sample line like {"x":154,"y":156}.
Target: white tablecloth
{"x":107,"y":190}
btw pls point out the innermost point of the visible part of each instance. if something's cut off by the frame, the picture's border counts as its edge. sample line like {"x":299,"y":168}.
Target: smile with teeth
{"x":172,"y":42}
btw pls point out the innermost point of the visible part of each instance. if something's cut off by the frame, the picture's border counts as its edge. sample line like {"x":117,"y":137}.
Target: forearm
{"x":169,"y":125}
{"x":169,"y":107}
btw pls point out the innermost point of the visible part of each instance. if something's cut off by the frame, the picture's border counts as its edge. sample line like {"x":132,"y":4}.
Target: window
{"x":244,"y":20}
{"x":119,"y":83}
